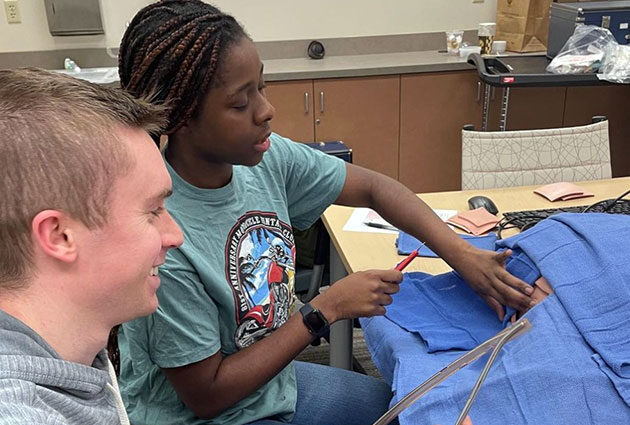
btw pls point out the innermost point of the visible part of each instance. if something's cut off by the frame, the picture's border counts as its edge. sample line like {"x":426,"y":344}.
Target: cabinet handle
{"x":478,"y":91}
{"x":306,"y":102}
{"x":321,"y":102}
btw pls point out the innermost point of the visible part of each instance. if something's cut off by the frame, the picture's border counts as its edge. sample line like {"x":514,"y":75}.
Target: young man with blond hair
{"x":82,"y":231}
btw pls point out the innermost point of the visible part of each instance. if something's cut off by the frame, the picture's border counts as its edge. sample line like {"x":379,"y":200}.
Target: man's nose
{"x":172,"y":235}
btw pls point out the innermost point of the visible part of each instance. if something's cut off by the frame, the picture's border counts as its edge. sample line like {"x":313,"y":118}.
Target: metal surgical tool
{"x":495,"y":344}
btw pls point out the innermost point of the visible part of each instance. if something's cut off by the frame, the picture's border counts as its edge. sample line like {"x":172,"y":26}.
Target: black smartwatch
{"x":314,"y":320}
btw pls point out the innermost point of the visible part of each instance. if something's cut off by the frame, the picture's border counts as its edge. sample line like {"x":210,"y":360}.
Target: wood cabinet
{"x":529,"y":108}
{"x":293,"y":101}
{"x":555,"y":107}
{"x":362,"y":112}
{"x":434,"y":108}
{"x":582,"y":103}
{"x":409,"y":126}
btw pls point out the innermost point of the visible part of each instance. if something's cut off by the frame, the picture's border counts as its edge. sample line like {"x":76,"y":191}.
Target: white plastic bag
{"x":107,"y":75}
{"x":583,"y":52}
{"x":616,"y":64}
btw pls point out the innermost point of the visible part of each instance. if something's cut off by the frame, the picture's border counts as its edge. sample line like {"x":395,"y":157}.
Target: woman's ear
{"x":54,"y":235}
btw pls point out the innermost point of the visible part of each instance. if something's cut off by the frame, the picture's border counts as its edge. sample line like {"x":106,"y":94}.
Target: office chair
{"x":530,"y":157}
{"x":310,"y":277}
{"x":313,"y":243}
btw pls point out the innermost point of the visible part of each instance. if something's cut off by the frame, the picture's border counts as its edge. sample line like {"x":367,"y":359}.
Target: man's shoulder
{"x":13,"y":389}
{"x":28,"y":415}
{"x":23,"y":401}
{"x":20,"y":404}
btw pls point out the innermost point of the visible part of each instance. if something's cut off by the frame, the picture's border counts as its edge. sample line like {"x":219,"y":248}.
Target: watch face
{"x":315,"y":321}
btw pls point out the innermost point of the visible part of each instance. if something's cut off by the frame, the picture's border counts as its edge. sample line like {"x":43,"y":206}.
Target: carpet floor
{"x":362,"y":360}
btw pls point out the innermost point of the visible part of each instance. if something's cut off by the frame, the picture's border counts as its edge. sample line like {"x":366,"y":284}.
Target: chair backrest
{"x":530,"y":157}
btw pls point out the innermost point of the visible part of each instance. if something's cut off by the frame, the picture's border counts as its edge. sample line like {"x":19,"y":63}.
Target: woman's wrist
{"x":320,"y":303}
{"x":458,"y":253}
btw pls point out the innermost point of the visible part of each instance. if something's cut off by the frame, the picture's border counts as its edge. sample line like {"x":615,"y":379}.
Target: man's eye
{"x":156,"y":212}
{"x":262,"y":87}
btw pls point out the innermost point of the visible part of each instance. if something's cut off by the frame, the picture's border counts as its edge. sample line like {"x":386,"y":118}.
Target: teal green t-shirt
{"x":229,"y":284}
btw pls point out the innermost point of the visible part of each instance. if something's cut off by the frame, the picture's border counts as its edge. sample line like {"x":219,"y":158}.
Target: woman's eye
{"x":262,"y":87}
{"x":241,"y":103}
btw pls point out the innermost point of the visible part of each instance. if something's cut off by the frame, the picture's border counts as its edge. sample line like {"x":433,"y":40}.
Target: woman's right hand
{"x":361,"y":294}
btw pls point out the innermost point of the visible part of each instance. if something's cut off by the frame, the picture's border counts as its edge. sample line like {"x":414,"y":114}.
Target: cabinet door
{"x":529,"y":108}
{"x":293,"y":101}
{"x":612,"y":101}
{"x":364,"y":114}
{"x":434,"y":108}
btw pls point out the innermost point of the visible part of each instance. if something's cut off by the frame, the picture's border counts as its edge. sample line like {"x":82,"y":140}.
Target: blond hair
{"x":59,"y":150}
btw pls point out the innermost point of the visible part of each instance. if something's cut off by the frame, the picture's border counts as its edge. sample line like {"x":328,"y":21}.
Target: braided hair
{"x":171,"y":52}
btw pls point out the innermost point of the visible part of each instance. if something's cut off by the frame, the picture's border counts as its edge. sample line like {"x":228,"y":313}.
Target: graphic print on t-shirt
{"x":260,"y":267}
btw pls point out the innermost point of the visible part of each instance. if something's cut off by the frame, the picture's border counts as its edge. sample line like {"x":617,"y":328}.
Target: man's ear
{"x":53,"y":233}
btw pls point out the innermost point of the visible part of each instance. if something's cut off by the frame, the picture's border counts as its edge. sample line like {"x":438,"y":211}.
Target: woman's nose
{"x":266,"y":112}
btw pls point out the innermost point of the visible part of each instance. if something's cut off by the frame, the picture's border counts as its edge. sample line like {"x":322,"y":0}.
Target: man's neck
{"x":73,"y":335}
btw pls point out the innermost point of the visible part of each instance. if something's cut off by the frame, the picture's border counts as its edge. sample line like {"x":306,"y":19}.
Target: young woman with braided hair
{"x":222,"y":342}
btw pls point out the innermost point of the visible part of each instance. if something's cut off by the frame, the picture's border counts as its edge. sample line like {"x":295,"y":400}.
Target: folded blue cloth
{"x":419,"y":307}
{"x":546,"y":376}
{"x":407,"y":243}
{"x":575,"y":363}
{"x":585,"y":258}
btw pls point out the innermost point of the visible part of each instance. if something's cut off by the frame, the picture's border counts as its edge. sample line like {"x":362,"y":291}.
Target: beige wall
{"x":268,"y":20}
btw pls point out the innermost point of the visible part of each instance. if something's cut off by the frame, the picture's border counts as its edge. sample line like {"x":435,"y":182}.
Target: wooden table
{"x":355,"y":251}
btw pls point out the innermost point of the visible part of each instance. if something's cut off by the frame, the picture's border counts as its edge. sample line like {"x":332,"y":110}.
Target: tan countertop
{"x":332,"y":66}
{"x":362,"y":65}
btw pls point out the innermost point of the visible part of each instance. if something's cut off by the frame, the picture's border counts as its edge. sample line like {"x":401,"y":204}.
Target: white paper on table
{"x":445,"y":214}
{"x":360,"y":216}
